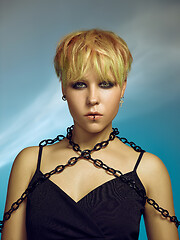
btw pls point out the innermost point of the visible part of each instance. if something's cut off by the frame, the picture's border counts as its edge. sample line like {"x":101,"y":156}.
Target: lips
{"x":93,"y":115}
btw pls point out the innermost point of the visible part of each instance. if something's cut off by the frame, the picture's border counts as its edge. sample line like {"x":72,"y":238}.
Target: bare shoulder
{"x":158,"y":186}
{"x":22,"y":170}
{"x":153,"y":162}
{"x":27,"y":152}
{"x":26,"y":161}
{"x":153,"y":170}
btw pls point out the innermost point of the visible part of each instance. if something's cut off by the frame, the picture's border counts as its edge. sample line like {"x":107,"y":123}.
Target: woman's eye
{"x":78,"y":85}
{"x":106,"y":84}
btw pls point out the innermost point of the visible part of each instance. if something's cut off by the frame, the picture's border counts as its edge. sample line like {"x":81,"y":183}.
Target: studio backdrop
{"x":31,"y":108}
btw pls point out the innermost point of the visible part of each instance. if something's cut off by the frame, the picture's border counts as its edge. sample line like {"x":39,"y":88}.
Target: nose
{"x":93,"y":96}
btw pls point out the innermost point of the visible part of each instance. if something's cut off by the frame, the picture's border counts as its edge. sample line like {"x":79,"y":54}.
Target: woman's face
{"x":93,"y":104}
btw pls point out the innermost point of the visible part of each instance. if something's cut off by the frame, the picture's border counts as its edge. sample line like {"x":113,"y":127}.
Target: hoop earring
{"x":121,"y":101}
{"x":64,"y":97}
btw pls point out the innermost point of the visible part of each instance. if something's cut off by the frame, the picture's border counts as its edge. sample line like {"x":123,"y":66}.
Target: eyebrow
{"x":82,"y":79}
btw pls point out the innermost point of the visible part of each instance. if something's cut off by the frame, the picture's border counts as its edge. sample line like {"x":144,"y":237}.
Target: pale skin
{"x":89,"y":96}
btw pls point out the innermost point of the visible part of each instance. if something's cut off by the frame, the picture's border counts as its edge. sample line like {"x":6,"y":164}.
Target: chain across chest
{"x":86,"y":154}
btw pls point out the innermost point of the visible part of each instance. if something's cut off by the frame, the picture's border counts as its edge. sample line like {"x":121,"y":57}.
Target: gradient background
{"x":31,"y":108}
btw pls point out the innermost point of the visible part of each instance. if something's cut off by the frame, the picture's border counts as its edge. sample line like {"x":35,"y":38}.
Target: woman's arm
{"x":159,"y":189}
{"x":21,"y":173}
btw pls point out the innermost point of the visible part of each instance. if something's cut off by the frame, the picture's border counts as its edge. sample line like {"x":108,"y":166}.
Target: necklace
{"x":97,"y":162}
{"x":87,"y":152}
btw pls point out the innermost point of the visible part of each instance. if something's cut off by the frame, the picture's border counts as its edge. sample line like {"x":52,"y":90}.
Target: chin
{"x":94,"y":128}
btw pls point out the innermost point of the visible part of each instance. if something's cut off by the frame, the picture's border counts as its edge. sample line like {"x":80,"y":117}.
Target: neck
{"x":86,"y":139}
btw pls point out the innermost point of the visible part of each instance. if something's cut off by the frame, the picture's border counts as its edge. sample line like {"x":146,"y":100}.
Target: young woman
{"x":97,"y":185}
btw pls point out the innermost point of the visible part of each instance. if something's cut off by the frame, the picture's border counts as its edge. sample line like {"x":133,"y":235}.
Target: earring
{"x":121,"y":101}
{"x":64,"y":97}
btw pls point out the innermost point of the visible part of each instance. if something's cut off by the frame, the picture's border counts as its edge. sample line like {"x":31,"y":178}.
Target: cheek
{"x":112,"y":104}
{"x":72,"y":107}
{"x":113,"y":98}
{"x":75,"y":106}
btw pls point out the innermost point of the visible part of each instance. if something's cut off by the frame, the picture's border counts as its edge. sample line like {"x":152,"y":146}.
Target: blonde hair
{"x":103,"y":50}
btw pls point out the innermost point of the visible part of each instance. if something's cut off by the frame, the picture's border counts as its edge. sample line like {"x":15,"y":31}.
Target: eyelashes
{"x":82,"y":85}
{"x":78,"y":85}
{"x":105,"y":84}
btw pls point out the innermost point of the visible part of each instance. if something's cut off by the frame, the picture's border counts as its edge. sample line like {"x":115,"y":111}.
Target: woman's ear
{"x":62,"y":88}
{"x":123,"y":88}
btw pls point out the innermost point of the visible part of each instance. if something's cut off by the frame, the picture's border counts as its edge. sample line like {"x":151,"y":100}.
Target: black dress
{"x":111,"y":211}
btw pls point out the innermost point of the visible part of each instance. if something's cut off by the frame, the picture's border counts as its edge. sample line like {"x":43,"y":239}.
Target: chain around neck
{"x":87,"y":152}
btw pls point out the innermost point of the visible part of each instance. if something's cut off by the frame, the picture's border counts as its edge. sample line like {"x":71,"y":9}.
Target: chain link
{"x":98,"y":163}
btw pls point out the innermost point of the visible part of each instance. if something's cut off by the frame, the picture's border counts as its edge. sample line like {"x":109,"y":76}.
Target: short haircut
{"x":103,"y":50}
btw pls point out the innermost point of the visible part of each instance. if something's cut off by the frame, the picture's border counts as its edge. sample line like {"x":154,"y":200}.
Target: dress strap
{"x":39,"y":157}
{"x":139,"y":159}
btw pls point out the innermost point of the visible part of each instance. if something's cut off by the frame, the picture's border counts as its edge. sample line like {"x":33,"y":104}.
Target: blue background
{"x":31,"y":108}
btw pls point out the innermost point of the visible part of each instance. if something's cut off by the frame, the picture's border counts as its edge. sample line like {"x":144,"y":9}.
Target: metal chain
{"x":85,"y":154}
{"x":98,"y":163}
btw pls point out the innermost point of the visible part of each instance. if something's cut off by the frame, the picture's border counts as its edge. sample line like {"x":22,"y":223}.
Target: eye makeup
{"x":79,"y":85}
{"x":82,"y":84}
{"x":106,"y":84}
